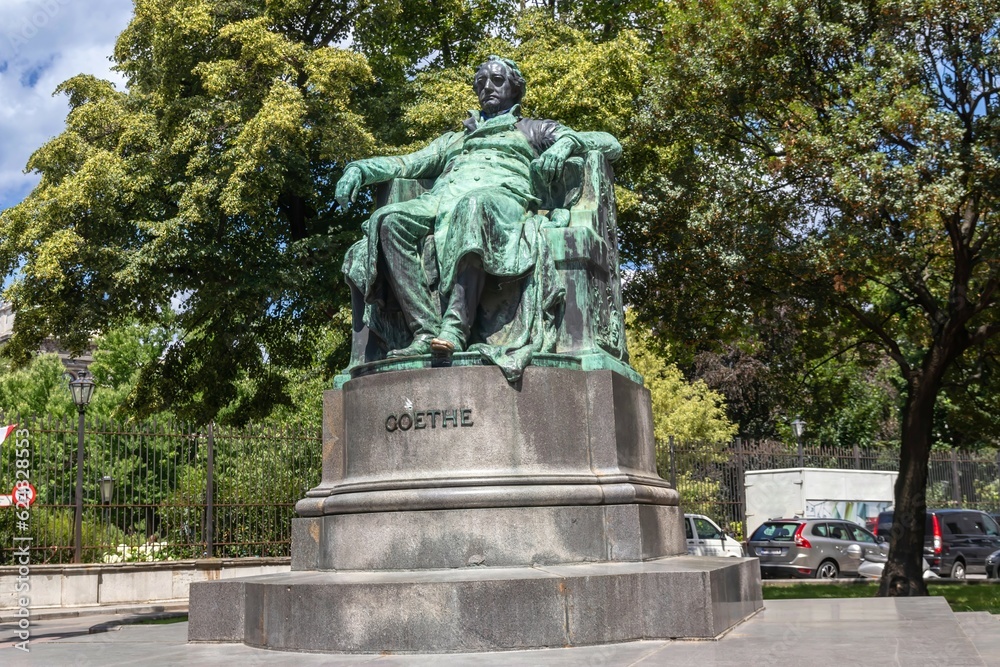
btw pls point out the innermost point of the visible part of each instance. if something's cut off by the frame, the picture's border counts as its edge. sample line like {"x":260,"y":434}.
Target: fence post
{"x":210,"y":494}
{"x":742,"y":481}
{"x":78,"y":510}
{"x":956,"y":491}
{"x":673,"y":462}
{"x":857,"y":457}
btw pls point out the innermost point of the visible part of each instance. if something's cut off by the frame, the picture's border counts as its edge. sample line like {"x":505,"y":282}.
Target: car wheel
{"x":827,"y":570}
{"x":958,"y":570}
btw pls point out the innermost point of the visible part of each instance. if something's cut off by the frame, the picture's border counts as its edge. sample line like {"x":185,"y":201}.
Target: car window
{"x":838,"y":531}
{"x":966,"y":524}
{"x":990,"y":526}
{"x":859,"y":534}
{"x":777,"y":530}
{"x":952,"y":524}
{"x":819,"y":530}
{"x":687,"y":529}
{"x":706,"y":531}
{"x":980,"y":524}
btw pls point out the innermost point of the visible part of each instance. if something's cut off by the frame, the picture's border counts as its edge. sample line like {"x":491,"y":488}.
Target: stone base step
{"x":488,"y":609}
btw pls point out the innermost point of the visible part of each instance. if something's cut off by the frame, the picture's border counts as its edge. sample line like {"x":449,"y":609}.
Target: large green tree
{"x":841,"y":159}
{"x":205,"y":187}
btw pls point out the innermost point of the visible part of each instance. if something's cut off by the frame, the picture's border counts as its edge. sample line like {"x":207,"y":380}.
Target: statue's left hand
{"x":550,"y":164}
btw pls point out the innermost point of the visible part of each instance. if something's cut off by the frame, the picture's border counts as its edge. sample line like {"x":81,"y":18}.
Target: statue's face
{"x":494,"y":89}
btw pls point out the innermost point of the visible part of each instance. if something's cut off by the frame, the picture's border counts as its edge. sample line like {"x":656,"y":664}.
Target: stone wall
{"x":54,"y":586}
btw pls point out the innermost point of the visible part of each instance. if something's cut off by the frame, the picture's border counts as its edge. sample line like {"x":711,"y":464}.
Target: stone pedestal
{"x":459,"y":513}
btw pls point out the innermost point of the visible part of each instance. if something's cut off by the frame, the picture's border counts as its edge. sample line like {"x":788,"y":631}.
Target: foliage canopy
{"x":839,"y":160}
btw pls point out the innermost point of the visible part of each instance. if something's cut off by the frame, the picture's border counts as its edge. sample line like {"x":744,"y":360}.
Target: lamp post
{"x":81,"y":388}
{"x":107,"y":484}
{"x":798,"y":428}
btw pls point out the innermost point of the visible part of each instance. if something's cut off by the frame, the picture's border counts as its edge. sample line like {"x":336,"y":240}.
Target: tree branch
{"x":983,"y":333}
{"x":855,"y":344}
{"x":891,"y":346}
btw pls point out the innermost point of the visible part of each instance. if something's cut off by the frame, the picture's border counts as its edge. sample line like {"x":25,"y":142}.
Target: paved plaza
{"x":878,"y":632}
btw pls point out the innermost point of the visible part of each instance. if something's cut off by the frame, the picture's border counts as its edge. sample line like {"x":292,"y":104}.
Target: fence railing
{"x":710,"y":477}
{"x":177,"y":491}
{"x":183,"y":492}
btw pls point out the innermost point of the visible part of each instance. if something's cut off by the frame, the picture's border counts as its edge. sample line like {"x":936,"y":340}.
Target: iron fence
{"x":184,"y":492}
{"x":710,"y":477}
{"x":177,"y":491}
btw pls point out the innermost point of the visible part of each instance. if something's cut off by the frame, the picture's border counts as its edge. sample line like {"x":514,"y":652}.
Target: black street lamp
{"x":81,"y":388}
{"x":798,"y":428}
{"x":107,"y":484}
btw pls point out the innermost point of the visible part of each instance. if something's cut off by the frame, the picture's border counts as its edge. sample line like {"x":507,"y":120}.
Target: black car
{"x":993,"y":565}
{"x":955,"y":541}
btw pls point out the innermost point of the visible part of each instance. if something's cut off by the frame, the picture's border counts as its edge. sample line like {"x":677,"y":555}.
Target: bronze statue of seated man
{"x":480,"y":213}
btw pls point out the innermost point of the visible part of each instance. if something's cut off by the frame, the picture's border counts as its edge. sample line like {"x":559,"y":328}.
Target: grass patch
{"x":961,"y":597}
{"x":810,"y":591}
{"x":161,"y":621}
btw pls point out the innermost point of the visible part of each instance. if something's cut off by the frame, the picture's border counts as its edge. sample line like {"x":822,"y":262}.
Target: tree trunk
{"x":903,"y":573}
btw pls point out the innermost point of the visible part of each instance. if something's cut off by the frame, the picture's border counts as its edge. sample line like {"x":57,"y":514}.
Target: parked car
{"x":821,"y":548}
{"x":993,"y":565}
{"x":956,"y":541}
{"x":872,"y":569}
{"x":705,"y":538}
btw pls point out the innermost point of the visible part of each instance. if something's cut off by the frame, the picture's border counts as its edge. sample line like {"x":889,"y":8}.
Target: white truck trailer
{"x":855,"y":495}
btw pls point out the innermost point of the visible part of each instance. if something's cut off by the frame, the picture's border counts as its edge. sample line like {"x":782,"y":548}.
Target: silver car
{"x":820,"y":548}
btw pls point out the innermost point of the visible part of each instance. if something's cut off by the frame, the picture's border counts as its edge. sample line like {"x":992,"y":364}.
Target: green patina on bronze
{"x":499,"y":240}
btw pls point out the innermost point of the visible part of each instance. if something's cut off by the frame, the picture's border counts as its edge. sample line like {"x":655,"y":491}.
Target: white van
{"x":705,"y":538}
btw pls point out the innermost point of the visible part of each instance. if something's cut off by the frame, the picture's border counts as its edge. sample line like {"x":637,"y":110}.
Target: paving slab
{"x":877,"y":632}
{"x":983,"y":630}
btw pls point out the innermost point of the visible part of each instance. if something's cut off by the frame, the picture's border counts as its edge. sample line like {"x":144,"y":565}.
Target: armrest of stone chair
{"x":582,"y":233}
{"x":580,"y":206}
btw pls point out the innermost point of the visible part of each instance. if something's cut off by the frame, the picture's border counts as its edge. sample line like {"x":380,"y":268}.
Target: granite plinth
{"x":488,"y":609}
{"x":456,"y":438}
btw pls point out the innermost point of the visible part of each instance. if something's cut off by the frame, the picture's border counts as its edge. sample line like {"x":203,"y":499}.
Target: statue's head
{"x":498,"y":84}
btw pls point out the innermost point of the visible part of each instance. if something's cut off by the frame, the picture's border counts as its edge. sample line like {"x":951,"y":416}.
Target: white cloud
{"x":42,"y":44}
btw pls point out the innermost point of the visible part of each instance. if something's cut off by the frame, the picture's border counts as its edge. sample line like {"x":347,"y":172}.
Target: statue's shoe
{"x":446,"y":343}
{"x":442,"y":346}
{"x":421,"y":345}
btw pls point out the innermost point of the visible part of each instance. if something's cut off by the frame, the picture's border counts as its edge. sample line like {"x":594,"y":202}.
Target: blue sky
{"x":43,"y":43}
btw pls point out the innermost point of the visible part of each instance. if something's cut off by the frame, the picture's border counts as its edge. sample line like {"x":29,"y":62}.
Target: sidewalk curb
{"x":165,"y":609}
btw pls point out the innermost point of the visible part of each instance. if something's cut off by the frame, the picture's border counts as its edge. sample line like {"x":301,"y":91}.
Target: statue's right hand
{"x":348,"y":186}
